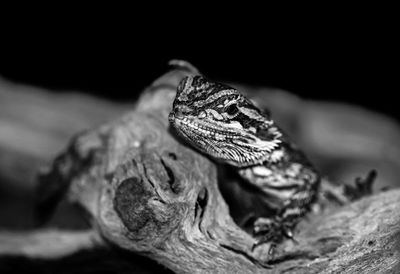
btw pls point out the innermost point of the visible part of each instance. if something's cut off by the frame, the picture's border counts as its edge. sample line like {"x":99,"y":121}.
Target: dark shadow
{"x":85,"y":262}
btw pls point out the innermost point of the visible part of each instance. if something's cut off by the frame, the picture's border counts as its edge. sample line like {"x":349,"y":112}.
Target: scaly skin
{"x":219,"y":121}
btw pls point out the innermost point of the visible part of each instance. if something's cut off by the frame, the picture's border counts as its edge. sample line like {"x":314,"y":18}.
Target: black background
{"x":352,"y":63}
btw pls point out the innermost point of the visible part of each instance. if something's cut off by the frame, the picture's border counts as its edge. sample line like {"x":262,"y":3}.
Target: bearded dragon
{"x":222,"y":123}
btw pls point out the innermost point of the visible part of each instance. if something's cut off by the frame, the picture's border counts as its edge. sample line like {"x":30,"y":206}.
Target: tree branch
{"x":149,"y":194}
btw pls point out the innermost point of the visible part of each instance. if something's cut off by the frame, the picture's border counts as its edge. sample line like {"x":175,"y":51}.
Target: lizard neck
{"x":283,"y":176}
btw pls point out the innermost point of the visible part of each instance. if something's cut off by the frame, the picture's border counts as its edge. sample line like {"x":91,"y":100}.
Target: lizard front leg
{"x":274,"y":229}
{"x":291,"y":188}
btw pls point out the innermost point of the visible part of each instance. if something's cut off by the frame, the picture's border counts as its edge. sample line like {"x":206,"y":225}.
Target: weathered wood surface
{"x":148,"y":193}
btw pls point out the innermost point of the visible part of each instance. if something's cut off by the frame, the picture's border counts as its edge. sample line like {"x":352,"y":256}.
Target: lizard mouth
{"x":202,"y":128}
{"x":227,"y":144}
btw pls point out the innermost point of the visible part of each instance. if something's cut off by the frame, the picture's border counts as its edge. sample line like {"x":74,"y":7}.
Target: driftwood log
{"x":146,"y":193}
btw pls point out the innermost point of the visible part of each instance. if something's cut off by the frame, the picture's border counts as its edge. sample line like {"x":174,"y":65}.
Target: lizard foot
{"x":272,"y":231}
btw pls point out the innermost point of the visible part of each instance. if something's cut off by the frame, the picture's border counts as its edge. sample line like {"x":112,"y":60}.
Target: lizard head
{"x":221,"y":122}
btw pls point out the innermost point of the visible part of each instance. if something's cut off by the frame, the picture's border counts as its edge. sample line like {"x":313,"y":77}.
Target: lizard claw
{"x":269,"y":231}
{"x":272,"y":231}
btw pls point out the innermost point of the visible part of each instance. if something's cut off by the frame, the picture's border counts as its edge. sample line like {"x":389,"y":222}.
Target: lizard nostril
{"x":178,"y":113}
{"x":181,"y":111}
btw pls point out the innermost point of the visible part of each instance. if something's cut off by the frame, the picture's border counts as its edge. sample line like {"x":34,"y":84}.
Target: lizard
{"x":221,"y":122}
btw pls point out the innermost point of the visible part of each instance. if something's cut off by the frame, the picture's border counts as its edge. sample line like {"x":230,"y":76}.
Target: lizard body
{"x":219,"y":121}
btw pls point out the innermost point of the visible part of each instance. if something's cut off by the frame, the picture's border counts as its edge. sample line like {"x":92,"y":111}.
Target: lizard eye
{"x":232,"y":109}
